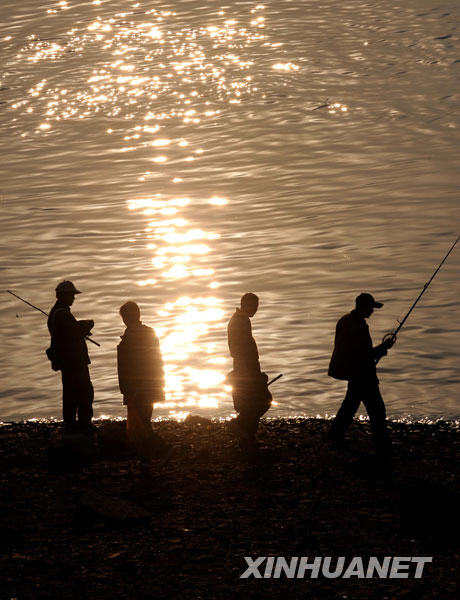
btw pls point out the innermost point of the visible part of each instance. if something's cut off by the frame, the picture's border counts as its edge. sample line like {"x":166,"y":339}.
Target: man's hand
{"x":389,"y":341}
{"x":86,"y":326}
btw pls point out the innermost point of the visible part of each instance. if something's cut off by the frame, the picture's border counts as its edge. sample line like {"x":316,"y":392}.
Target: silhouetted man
{"x":70,"y":356}
{"x":141,"y":380}
{"x":354,"y":359}
{"x":251,"y":397}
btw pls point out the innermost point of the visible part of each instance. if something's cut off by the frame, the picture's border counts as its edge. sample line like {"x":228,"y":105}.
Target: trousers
{"x":139,"y":429}
{"x":248,"y":418}
{"x":77,"y":397}
{"x":366,"y":391}
{"x":251,"y":400}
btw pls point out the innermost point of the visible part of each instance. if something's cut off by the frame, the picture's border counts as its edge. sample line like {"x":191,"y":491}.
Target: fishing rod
{"x":392,"y":335}
{"x":274,"y":379}
{"x":44,"y":313}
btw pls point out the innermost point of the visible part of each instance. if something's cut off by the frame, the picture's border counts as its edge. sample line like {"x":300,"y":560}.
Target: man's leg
{"x":258,"y":409}
{"x":85,"y":399}
{"x":138,"y":423}
{"x":147,"y":442}
{"x":375,"y":407}
{"x":162,"y":450}
{"x":250,"y":412}
{"x":245,"y":427}
{"x":69,"y":401}
{"x":145,"y":412}
{"x":240,"y":404}
{"x":245,"y":424}
{"x":248,"y":420}
{"x":137,"y":427}
{"x":345,"y":413}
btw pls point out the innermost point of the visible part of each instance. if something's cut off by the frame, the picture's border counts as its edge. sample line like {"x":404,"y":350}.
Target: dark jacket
{"x":140,"y":365}
{"x":242,"y":346}
{"x":354,"y":357}
{"x":68,"y":338}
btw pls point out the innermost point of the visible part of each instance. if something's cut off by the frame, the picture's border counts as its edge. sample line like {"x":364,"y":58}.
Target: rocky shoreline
{"x":107,"y":525}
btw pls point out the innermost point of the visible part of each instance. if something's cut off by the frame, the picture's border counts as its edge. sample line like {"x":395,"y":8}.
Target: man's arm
{"x":382,"y":349}
{"x":157,"y":359}
{"x":65,"y":326}
{"x":85,"y":326}
{"x":241,"y":343}
{"x":123,"y":368}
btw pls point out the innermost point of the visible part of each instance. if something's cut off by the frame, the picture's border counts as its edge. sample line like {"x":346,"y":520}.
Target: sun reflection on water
{"x":154,"y":78}
{"x":180,"y":251}
{"x":149,"y":62}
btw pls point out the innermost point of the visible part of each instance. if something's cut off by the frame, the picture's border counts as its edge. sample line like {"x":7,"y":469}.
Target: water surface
{"x":182,"y":153}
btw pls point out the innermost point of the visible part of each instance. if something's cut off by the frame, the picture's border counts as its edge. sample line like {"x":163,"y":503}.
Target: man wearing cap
{"x":69,"y":355}
{"x":354,"y":359}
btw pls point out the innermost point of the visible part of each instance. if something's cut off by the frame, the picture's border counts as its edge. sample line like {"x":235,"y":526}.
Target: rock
{"x":94,"y":506}
{"x":113,"y":440}
{"x":24,"y":461}
{"x":75,"y":451}
{"x":197,"y":420}
{"x":10,"y":535}
{"x":430,"y":510}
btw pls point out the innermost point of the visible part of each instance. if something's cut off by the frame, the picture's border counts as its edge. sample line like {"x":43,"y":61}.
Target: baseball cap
{"x":67,"y":287}
{"x":366,"y":299}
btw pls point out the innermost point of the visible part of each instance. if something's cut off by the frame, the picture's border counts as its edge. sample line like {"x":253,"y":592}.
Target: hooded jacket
{"x":140,"y":365}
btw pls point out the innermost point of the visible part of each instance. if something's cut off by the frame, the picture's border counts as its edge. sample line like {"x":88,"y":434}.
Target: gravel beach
{"x":90,"y":520}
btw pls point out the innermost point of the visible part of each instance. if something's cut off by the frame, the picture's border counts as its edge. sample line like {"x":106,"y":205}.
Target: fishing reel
{"x":389,"y":337}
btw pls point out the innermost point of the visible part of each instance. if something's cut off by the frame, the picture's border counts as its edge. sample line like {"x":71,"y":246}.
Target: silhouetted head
{"x":365,"y":304}
{"x":249,"y":304}
{"x":65,"y":292}
{"x":130,"y":313}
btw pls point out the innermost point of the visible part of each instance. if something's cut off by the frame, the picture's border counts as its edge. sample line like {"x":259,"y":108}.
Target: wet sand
{"x":115,"y":528}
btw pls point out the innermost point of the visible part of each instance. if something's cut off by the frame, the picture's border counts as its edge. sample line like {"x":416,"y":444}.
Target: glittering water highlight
{"x":181,"y":154}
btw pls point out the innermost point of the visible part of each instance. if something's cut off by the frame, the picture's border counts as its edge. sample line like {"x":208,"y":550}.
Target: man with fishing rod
{"x":354,"y":359}
{"x":69,"y":354}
